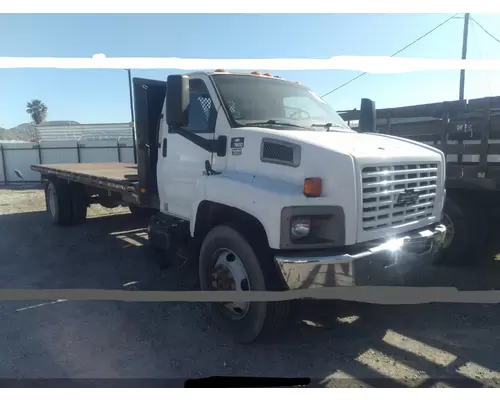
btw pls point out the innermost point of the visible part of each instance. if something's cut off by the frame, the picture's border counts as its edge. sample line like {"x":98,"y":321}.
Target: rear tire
{"x":79,"y":203}
{"x":225,"y":247}
{"x":59,"y":203}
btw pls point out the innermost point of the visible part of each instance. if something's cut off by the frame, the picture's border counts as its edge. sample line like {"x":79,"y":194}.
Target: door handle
{"x":164,"y":147}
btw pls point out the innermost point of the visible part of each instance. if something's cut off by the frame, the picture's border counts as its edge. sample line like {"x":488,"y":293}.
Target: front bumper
{"x":367,"y":265}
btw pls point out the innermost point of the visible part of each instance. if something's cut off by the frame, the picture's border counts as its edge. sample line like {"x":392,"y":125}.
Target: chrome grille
{"x":390,"y":194}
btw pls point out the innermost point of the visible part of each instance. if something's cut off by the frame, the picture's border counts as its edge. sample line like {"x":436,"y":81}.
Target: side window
{"x":202,"y":114}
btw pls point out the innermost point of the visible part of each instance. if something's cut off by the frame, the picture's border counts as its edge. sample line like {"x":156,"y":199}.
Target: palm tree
{"x":38,"y":111}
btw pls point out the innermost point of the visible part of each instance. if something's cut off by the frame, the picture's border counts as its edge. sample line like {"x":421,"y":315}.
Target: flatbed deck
{"x":111,"y":176}
{"x":113,"y":171}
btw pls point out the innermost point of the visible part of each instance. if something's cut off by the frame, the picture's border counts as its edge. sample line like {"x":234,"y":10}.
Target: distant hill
{"x":27,"y":130}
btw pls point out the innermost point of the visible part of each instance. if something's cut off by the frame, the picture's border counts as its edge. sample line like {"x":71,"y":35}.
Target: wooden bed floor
{"x":111,"y":171}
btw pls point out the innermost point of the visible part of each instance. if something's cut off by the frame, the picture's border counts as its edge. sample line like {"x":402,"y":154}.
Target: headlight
{"x":300,"y":228}
{"x":312,"y":227}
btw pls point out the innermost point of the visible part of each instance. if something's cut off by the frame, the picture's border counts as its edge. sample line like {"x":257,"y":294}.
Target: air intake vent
{"x":280,"y":152}
{"x":274,"y":151}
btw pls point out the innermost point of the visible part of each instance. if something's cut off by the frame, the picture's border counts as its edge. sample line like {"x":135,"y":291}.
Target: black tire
{"x":262,"y":320}
{"x":59,"y":205}
{"x":466,"y":224}
{"x":79,"y":203}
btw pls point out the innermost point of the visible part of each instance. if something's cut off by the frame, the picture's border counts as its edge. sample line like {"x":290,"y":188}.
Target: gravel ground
{"x":334,"y":343}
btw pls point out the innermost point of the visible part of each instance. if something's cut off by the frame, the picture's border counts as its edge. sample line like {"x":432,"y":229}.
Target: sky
{"x":99,"y":96}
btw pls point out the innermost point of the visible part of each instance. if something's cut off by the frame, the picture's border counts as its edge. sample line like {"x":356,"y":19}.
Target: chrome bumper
{"x":396,"y":257}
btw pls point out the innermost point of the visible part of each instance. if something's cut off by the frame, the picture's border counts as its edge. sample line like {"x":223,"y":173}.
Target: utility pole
{"x":132,"y":114}
{"x":464,"y":55}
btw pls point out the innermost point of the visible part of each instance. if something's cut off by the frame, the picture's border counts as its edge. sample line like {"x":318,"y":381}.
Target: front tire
{"x":229,"y":262}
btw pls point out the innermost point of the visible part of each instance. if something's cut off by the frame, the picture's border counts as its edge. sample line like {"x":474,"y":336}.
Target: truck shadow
{"x":343,"y":343}
{"x":99,"y":254}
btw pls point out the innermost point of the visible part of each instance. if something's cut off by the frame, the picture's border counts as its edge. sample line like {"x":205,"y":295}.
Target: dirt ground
{"x":334,"y":343}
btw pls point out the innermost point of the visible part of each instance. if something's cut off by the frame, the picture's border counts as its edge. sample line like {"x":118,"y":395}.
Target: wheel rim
{"x":228,"y":273}
{"x":52,"y":200}
{"x":450,"y":231}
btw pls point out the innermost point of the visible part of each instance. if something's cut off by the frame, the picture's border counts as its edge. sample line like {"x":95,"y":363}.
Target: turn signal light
{"x":255,"y":73}
{"x":220,"y":70}
{"x":312,"y":187}
{"x":268,"y":74}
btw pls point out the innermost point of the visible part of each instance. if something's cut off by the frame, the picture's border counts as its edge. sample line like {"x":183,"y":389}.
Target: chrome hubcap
{"x":228,"y":274}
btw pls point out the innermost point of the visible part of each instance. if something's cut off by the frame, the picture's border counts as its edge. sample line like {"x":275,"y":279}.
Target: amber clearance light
{"x":312,"y":187}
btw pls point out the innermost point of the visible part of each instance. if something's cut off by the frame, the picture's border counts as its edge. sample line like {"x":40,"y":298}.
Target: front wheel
{"x":228,"y":262}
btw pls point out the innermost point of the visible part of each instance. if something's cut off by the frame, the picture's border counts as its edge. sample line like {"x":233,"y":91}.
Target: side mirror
{"x":367,"y":116}
{"x":177,"y":100}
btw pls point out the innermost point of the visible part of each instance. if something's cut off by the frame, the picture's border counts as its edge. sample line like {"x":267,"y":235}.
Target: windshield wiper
{"x":327,"y":126}
{"x":274,"y":122}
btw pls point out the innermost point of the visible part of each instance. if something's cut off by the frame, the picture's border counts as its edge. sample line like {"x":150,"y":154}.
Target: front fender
{"x":260,"y":196}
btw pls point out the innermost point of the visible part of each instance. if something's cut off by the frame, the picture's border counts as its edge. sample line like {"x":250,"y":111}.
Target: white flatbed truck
{"x":269,"y":188}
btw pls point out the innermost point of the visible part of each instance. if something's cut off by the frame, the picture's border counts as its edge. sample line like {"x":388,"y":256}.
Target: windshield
{"x":253,"y":100}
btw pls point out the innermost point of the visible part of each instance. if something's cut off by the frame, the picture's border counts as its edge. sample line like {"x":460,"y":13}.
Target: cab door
{"x":181,"y":163}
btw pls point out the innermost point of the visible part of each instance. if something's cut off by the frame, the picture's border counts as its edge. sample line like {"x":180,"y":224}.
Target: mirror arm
{"x":211,"y":145}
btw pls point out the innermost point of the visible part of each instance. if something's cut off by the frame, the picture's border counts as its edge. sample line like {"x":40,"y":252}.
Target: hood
{"x":360,"y":145}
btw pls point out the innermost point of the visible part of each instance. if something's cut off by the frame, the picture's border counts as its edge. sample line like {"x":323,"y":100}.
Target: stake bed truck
{"x":468,"y":133}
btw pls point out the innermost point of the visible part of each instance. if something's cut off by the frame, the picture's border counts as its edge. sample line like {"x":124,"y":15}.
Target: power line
{"x":485,"y":30}
{"x":396,"y":53}
{"x":481,"y":56}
